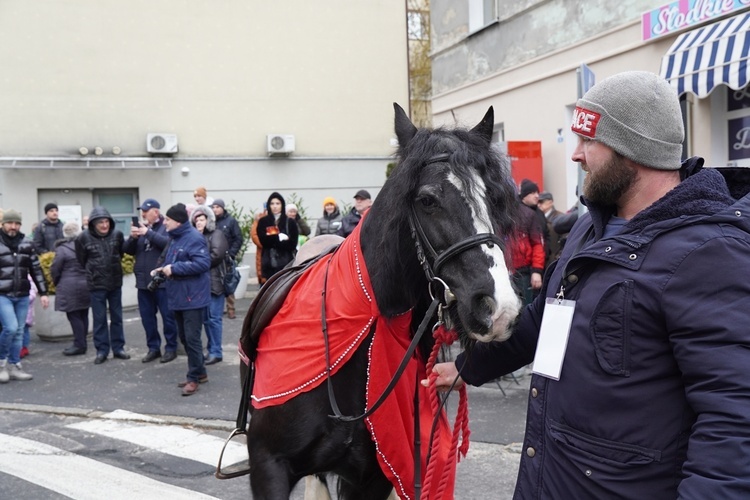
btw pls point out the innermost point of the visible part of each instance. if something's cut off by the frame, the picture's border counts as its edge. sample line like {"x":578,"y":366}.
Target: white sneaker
{"x":16,"y":373}
{"x":4,"y":376}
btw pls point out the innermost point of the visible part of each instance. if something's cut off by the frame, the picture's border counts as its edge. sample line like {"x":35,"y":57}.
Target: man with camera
{"x":148,"y":238}
{"x":186,"y":268}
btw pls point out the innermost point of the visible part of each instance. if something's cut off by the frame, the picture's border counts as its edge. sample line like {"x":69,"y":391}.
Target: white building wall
{"x":219,"y":75}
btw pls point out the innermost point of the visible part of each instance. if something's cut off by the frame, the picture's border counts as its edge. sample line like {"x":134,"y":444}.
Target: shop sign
{"x":681,"y":14}
{"x":739,"y":138}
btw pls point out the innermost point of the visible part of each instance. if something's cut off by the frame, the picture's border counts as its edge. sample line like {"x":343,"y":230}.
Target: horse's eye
{"x":428,"y":202}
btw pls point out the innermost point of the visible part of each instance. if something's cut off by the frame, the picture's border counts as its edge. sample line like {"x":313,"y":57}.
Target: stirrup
{"x":236,"y":470}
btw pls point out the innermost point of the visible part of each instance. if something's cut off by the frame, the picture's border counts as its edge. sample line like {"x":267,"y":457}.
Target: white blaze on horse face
{"x":506,"y":300}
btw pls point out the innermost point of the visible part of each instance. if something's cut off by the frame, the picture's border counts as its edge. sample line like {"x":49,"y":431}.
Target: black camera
{"x":156,"y":281}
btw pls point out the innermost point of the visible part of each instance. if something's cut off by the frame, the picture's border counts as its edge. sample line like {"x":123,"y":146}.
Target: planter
{"x":239,"y":293}
{"x":53,"y":326}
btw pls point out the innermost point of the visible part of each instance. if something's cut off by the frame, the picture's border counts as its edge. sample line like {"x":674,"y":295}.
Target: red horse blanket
{"x":291,"y":360}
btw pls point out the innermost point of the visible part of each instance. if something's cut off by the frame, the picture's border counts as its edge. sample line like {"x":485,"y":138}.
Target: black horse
{"x":435,"y":229}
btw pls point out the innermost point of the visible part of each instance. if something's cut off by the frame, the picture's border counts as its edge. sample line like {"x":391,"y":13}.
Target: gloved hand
{"x":283,"y":237}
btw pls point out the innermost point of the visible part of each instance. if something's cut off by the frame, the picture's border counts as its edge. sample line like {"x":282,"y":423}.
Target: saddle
{"x":272,"y":294}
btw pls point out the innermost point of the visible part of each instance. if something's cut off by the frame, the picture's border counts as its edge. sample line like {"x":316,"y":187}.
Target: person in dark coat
{"x":203,"y":219}
{"x":278,"y":235}
{"x":49,"y":230}
{"x":99,"y":250}
{"x":71,"y":291}
{"x":639,"y":337}
{"x":187,"y":266}
{"x":17,"y":262}
{"x":146,"y":242}
{"x":362,"y":202}
{"x":233,"y":233}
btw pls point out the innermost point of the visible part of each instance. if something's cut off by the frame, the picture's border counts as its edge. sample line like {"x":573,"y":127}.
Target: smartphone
{"x":272,"y":230}
{"x":136,"y":221}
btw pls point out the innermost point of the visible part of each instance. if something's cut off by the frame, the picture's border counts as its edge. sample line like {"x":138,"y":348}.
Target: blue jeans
{"x":13,"y":320}
{"x":148,"y":304}
{"x":213,"y":324}
{"x":105,"y":337}
{"x":189,"y":324}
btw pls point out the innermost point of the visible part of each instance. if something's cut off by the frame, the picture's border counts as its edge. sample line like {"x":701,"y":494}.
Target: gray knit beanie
{"x":637,"y":114}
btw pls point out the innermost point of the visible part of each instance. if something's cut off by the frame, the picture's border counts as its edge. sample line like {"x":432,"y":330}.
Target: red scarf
{"x":294,"y":339}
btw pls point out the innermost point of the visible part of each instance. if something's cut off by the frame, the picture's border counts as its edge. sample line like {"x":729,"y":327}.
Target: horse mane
{"x":394,"y":266}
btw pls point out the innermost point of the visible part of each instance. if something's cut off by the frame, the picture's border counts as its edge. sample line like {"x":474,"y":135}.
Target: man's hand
{"x":536,"y":281}
{"x":447,"y":373}
{"x":45,"y":301}
{"x":167,"y":270}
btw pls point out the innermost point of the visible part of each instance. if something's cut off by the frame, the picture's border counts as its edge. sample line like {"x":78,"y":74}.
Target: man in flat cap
{"x":362,"y":202}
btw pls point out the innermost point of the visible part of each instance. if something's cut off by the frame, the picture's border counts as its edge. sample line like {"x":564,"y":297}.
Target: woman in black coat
{"x":71,"y":291}
{"x":278,"y":235}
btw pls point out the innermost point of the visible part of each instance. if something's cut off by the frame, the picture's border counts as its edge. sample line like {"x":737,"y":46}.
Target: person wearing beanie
{"x":278,"y":235}
{"x":186,"y":269}
{"x":99,"y":250}
{"x":148,"y":239}
{"x":49,"y":230}
{"x":200,"y":195}
{"x":71,"y":290}
{"x":330,"y":223}
{"x":18,"y":262}
{"x":529,"y":195}
{"x":304,"y":228}
{"x":204,"y":220}
{"x":233,"y":233}
{"x":638,"y":341}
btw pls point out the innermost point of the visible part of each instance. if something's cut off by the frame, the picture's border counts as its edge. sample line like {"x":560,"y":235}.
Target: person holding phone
{"x":147,"y":241}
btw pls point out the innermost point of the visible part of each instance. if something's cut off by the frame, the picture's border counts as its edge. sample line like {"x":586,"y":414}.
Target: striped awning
{"x":703,"y":58}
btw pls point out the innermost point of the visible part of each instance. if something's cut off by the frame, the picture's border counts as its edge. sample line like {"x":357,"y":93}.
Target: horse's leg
{"x":377,"y":488}
{"x":270,"y":479}
{"x":316,"y":488}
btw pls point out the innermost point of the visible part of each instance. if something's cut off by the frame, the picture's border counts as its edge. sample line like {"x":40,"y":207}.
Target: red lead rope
{"x":460,"y":426}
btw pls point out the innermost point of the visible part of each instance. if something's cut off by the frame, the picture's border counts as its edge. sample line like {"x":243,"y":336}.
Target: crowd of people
{"x":181,"y":258}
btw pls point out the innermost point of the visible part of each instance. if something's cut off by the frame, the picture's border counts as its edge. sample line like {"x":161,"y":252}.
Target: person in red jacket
{"x":527,"y":254}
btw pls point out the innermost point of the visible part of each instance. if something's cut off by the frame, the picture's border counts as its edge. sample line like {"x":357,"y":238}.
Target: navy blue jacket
{"x":189,"y":287}
{"x":653,"y":399}
{"x":147,"y":249}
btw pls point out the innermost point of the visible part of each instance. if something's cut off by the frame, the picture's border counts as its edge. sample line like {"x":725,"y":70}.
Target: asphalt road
{"x":73,"y":387}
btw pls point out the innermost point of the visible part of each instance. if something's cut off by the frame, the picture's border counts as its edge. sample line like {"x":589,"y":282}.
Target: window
{"x":481,"y":14}
{"x":121,"y":205}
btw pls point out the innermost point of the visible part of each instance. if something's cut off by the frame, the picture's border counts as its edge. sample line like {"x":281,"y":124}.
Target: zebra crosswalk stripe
{"x":80,"y":477}
{"x":170,"y":439}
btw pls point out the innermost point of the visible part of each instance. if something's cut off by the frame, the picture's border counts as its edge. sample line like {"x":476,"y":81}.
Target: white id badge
{"x":553,"y":337}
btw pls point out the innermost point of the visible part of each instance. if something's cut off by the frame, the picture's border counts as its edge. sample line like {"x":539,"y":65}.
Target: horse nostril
{"x":482,"y":308}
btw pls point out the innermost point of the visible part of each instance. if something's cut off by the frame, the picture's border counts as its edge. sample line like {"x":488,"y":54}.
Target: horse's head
{"x":452,"y":200}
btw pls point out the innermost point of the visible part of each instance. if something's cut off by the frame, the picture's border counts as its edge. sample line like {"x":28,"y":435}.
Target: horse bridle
{"x":438,"y":304}
{"x":422,"y":243}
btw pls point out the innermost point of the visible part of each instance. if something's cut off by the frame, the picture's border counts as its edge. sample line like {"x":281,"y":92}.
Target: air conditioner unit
{"x":279,"y":144}
{"x":161,"y":143}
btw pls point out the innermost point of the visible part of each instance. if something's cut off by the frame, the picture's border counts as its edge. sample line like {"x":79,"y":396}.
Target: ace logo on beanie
{"x":585,"y":121}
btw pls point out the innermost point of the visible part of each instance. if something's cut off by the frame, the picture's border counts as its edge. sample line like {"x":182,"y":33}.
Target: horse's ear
{"x":484,"y":128}
{"x":405,"y":129}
